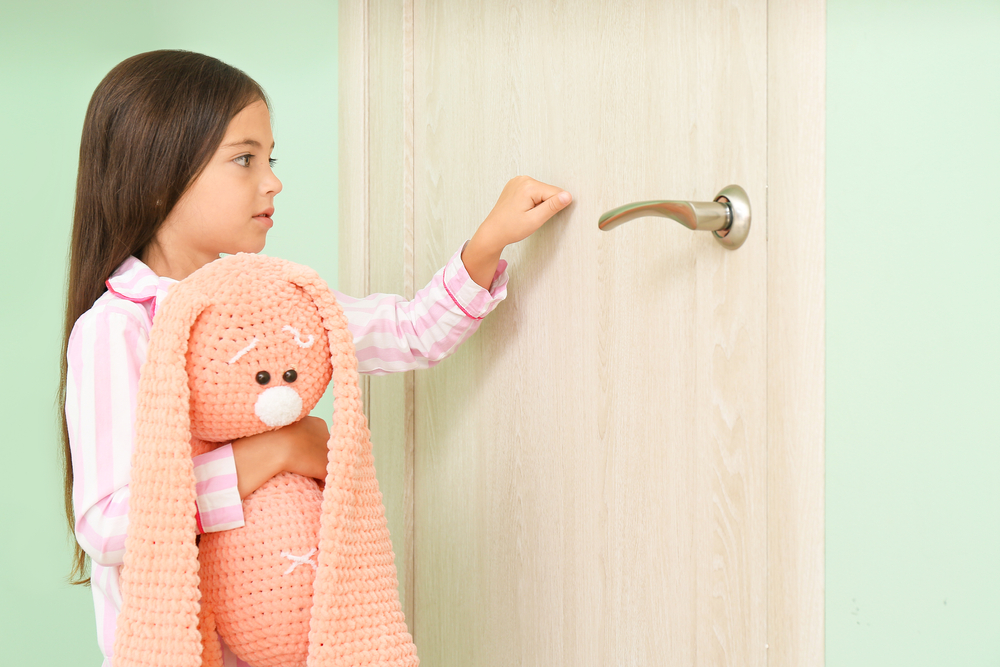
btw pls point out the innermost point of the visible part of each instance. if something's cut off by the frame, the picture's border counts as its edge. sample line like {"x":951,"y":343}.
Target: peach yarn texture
{"x":244,"y":345}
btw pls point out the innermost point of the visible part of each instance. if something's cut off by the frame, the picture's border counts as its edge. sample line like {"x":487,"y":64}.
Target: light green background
{"x":913,"y":505}
{"x":912,"y":451}
{"x":53,"y":55}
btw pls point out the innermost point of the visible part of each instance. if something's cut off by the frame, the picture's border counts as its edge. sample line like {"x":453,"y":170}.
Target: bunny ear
{"x":343,"y":359}
{"x":355,"y":592}
{"x":158,"y":623}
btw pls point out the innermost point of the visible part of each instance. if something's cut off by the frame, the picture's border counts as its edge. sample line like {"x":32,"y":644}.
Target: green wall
{"x":53,"y":55}
{"x":912,"y":451}
{"x":913,"y":506}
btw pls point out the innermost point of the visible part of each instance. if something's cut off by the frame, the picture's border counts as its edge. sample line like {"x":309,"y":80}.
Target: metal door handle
{"x":727,"y":217}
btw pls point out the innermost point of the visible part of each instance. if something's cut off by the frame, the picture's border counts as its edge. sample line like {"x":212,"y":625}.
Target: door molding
{"x":796,"y":325}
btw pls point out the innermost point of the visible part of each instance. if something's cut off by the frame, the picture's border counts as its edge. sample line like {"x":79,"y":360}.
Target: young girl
{"x":175,"y":169}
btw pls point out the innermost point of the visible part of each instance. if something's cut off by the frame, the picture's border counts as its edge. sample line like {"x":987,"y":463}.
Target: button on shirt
{"x":107,"y":348}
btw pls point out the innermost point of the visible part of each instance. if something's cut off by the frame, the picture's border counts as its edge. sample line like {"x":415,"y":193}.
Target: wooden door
{"x":624,"y":465}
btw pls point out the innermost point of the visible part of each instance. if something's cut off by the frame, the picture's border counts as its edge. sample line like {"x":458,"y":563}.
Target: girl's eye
{"x":272,"y":161}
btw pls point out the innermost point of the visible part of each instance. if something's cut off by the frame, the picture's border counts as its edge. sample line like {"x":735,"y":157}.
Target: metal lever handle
{"x":727,"y":217}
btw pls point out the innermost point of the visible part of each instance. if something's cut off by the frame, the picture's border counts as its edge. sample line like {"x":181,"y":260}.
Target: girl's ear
{"x":161,"y":558}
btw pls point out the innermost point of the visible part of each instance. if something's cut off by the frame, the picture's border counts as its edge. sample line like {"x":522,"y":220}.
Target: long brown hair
{"x":151,"y":126}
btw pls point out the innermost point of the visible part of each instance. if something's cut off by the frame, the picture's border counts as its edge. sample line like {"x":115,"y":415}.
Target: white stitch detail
{"x":298,"y":338}
{"x":244,"y":350}
{"x":298,"y":560}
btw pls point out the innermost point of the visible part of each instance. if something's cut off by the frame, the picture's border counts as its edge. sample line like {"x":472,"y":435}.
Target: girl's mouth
{"x":265,"y":217}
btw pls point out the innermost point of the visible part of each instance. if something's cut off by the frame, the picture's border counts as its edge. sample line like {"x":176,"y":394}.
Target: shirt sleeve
{"x":217,"y":493}
{"x":106,"y":350}
{"x":392,"y":334}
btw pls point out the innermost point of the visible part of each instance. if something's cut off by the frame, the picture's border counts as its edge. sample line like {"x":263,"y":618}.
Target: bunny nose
{"x":278,"y":406}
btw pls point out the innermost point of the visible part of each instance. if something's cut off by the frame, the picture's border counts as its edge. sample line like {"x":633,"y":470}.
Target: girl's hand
{"x":300,"y":447}
{"x":524,"y":205}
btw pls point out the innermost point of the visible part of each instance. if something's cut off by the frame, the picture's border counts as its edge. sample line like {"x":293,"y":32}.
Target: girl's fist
{"x":524,"y":205}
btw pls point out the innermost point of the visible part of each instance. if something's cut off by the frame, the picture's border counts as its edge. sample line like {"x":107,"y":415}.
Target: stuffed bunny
{"x":244,"y":345}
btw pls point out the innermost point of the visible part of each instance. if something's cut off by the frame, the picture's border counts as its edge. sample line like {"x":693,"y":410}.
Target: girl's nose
{"x":278,"y":406}
{"x":272,"y":184}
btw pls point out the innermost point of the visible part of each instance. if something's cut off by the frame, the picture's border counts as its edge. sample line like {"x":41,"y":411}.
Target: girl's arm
{"x":300,"y":447}
{"x":106,"y":350}
{"x":392,"y":334}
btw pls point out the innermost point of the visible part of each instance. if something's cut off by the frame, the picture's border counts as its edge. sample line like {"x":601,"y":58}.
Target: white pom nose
{"x":278,"y":406}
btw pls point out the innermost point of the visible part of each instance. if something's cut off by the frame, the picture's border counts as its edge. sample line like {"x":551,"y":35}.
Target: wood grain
{"x":590,"y":468}
{"x":731,"y":326}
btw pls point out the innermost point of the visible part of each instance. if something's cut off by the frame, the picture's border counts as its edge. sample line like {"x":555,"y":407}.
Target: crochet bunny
{"x":244,"y":345}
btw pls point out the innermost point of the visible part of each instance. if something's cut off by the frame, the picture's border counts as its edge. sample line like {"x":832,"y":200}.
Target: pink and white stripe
{"x":217,"y":494}
{"x":107,"y":348}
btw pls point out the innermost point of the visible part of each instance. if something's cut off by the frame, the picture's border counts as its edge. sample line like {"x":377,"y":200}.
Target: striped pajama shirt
{"x":107,"y":347}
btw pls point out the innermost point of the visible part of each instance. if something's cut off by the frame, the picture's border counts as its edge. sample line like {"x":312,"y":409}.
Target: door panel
{"x":589,"y":469}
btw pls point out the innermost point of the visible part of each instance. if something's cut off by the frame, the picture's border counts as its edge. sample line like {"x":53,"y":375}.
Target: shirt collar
{"x":136,"y":282}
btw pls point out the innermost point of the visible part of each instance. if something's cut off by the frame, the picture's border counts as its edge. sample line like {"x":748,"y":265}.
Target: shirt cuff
{"x":217,"y":493}
{"x":471,"y":298}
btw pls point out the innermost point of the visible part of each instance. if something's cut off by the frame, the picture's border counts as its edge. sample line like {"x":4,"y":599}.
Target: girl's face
{"x":228,"y":208}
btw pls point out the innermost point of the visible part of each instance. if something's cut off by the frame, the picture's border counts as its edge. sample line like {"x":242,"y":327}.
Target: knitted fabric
{"x":244,"y":345}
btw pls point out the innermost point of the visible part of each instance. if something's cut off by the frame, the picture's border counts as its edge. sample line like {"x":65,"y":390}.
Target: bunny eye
{"x":263,"y":377}
{"x":290,"y":375}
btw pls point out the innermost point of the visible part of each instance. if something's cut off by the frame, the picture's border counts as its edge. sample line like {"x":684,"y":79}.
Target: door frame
{"x":376,"y":181}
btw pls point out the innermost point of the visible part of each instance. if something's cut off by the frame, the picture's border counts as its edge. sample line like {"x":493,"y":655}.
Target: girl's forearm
{"x":257,"y":460}
{"x":300,"y":447}
{"x":481,"y":257}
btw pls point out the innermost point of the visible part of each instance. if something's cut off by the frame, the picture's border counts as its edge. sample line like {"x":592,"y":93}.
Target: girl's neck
{"x":176,"y":265}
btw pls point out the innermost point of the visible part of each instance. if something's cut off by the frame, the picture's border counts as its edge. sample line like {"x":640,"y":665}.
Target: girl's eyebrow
{"x":246,"y":142}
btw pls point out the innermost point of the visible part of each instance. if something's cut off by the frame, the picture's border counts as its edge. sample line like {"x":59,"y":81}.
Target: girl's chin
{"x":254,"y":246}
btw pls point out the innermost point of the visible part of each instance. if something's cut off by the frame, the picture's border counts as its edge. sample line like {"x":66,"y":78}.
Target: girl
{"x":175,"y":169}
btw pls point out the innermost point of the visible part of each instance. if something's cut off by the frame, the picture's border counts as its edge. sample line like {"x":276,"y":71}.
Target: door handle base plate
{"x":736,"y":200}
